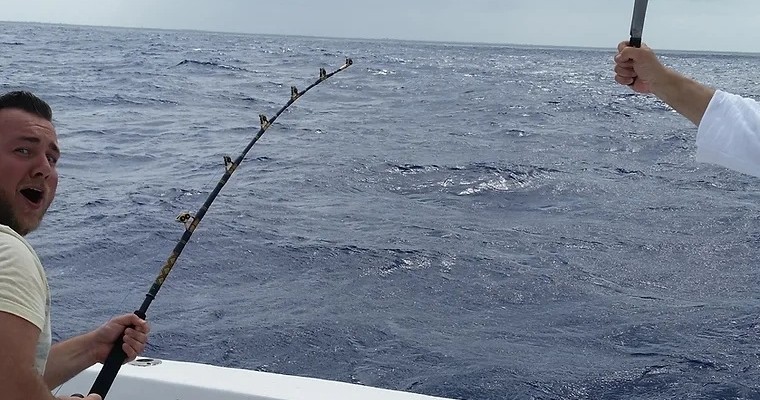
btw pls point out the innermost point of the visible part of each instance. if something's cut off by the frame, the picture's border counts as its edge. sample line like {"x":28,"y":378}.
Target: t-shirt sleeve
{"x":729,"y":133}
{"x":22,"y":289}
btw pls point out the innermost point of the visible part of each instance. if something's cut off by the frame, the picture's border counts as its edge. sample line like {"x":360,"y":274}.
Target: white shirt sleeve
{"x":729,"y":133}
{"x":23,"y":291}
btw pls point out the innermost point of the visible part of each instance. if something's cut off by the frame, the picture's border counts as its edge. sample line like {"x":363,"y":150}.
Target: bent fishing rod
{"x":117,"y":356}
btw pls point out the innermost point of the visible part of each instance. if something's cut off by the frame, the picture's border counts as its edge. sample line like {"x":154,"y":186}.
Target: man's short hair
{"x":28,"y":102}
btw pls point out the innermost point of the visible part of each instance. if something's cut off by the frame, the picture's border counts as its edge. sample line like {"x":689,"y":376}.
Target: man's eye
{"x":52,"y":160}
{"x":23,"y":150}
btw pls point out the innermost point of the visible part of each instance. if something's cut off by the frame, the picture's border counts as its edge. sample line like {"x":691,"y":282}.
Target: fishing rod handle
{"x":634,"y":42}
{"x":112,"y":365}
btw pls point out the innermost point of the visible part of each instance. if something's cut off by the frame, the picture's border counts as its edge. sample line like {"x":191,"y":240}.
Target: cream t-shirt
{"x":729,"y":133}
{"x":24,"y":289}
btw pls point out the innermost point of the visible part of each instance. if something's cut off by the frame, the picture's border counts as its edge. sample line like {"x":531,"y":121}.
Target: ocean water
{"x":468,"y":221}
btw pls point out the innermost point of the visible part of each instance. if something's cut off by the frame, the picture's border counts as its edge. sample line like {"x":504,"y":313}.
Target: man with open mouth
{"x":30,"y":367}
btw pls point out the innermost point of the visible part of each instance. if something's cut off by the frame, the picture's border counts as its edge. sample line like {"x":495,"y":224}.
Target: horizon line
{"x":428,"y":41}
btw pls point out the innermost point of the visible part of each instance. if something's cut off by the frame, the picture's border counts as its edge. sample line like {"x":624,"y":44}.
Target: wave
{"x":476,"y":178}
{"x":210,"y":64}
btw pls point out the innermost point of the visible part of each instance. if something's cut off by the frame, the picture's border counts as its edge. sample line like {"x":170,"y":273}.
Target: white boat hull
{"x":164,"y":379}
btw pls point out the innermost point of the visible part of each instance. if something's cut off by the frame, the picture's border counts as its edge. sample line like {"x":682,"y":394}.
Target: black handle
{"x":111,"y":367}
{"x":634,"y":42}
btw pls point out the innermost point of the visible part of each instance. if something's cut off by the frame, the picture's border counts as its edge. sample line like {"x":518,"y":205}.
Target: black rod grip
{"x":113,"y":364}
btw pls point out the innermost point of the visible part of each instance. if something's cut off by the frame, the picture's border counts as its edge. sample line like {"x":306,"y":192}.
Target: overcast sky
{"x":718,"y":25}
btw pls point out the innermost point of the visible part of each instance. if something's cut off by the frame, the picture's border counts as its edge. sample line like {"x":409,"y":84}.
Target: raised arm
{"x":729,"y":125}
{"x":640,"y":68}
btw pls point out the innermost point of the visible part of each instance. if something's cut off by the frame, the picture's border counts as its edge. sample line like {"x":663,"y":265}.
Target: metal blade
{"x":637,"y":23}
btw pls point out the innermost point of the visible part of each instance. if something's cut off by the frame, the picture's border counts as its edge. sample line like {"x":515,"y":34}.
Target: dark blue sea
{"x":468,"y":221}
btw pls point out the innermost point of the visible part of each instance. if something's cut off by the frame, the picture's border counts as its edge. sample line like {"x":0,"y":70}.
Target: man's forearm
{"x":690,"y":98}
{"x":67,"y":359}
